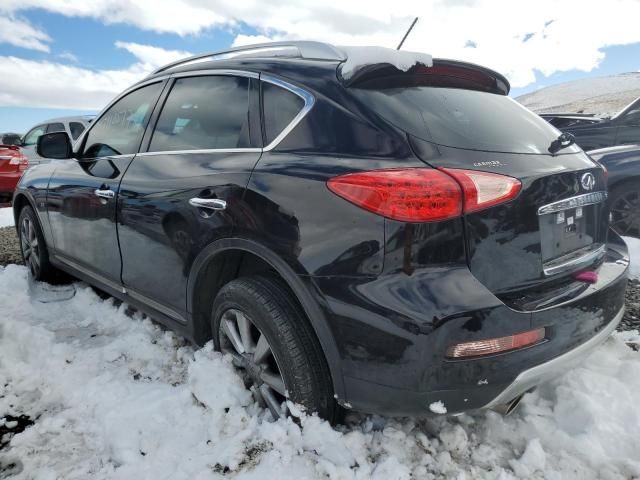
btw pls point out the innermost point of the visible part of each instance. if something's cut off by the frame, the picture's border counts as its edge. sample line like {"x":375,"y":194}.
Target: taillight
{"x":491,"y":346}
{"x":408,"y":194}
{"x":484,"y":189}
{"x":424,"y":194}
{"x":20,"y":160}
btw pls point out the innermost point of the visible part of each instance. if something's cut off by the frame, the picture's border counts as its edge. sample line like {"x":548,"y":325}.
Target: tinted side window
{"x":55,"y":127}
{"x":76,"y":129}
{"x":280,"y":108}
{"x":206,"y":112}
{"x":119,"y":131}
{"x":31,"y":138}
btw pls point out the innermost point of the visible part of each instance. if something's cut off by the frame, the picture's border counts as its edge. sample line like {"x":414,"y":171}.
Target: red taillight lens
{"x":496,"y":345}
{"x":484,"y":189}
{"x":20,"y":160}
{"x":408,"y":195}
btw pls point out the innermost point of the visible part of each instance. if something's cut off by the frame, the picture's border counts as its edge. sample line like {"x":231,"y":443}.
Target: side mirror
{"x":55,"y":145}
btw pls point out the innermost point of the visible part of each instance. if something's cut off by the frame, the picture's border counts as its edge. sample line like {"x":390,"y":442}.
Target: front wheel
{"x":33,"y":247}
{"x":255,"y":320}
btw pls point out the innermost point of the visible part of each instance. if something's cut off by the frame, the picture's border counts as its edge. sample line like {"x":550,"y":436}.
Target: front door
{"x":83,"y":193}
{"x":186,"y":190}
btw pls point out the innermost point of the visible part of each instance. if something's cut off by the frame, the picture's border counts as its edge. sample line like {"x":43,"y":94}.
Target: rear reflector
{"x":407,"y":194}
{"x":496,"y":345}
{"x":483,"y":189}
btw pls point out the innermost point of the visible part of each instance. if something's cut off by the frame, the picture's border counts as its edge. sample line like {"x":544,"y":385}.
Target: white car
{"x":73,"y":126}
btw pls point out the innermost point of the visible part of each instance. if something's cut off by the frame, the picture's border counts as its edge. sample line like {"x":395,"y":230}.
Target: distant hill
{"x":603,"y":96}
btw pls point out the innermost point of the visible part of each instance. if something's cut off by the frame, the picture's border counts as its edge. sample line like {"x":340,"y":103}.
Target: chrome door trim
{"x":210,"y":203}
{"x":202,"y":150}
{"x":156,"y":306}
{"x":90,"y":273}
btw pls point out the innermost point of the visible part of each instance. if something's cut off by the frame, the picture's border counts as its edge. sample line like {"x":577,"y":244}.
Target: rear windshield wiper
{"x":563,"y":141}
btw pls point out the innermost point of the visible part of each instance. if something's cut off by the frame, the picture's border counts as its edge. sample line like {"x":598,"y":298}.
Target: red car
{"x":12,"y":164}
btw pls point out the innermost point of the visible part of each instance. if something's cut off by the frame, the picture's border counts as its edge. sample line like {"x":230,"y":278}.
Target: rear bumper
{"x":8,"y":182}
{"x":392,"y":333}
{"x":555,"y":367}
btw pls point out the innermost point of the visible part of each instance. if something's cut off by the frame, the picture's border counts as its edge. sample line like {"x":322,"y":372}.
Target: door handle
{"x":104,"y":193}
{"x":210,"y":203}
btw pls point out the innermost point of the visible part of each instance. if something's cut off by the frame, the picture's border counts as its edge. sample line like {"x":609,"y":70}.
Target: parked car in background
{"x":591,"y":132}
{"x":12,"y":164}
{"x":72,"y":126}
{"x":10,"y":138}
{"x":343,"y":222}
{"x":623,"y":165}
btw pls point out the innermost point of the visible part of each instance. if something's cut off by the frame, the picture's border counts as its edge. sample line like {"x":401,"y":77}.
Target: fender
{"x":298,"y":285}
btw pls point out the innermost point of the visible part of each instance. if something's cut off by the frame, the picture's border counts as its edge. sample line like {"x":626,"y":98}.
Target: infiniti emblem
{"x":588,"y":181}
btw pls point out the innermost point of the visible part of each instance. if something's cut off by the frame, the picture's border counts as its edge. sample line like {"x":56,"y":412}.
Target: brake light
{"x":483,"y":189}
{"x":408,"y":195}
{"x":21,"y":160}
{"x":496,"y":345}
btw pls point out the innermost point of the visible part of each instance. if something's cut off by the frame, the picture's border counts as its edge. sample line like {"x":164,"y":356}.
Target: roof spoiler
{"x":471,"y":74}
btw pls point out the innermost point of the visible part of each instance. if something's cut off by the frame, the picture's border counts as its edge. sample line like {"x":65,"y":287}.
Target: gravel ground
{"x":9,"y":247}
{"x":10,"y":253}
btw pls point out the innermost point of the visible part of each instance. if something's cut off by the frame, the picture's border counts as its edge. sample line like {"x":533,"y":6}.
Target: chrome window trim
{"x":309,"y":102}
{"x":578,"y":201}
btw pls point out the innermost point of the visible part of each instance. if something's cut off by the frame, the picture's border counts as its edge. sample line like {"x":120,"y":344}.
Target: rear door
{"x":185,"y":190}
{"x":83,"y":193}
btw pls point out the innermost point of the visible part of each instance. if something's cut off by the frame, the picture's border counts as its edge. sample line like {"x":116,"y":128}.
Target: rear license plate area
{"x":568,"y":230}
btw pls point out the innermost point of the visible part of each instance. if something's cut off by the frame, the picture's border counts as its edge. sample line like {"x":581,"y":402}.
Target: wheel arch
{"x":199,"y":305}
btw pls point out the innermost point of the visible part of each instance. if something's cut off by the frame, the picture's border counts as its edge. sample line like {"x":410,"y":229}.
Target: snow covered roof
{"x":359,"y":58}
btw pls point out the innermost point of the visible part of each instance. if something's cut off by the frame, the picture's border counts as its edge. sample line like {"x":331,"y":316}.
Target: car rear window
{"x":462,"y":118}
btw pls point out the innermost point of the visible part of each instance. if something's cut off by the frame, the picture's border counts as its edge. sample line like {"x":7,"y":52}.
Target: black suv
{"x":358,"y":227}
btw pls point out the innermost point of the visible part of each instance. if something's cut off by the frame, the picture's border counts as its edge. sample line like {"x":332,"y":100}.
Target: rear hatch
{"x":458,"y":116}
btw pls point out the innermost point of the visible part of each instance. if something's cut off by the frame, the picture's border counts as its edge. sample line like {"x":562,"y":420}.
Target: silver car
{"x":73,"y":126}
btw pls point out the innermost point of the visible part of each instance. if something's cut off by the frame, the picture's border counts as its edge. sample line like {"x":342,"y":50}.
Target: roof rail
{"x":294,"y":49}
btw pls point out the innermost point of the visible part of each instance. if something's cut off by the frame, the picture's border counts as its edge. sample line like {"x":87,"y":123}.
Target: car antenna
{"x":415,"y":20}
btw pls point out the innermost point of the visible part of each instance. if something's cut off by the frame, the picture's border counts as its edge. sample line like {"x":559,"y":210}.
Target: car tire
{"x":624,"y":203}
{"x":33,"y":247}
{"x":271,"y":315}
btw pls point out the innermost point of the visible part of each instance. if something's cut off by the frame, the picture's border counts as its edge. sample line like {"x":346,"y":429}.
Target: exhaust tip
{"x":507,"y":409}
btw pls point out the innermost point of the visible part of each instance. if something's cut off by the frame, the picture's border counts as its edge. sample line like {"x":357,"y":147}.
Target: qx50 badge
{"x":588,"y":181}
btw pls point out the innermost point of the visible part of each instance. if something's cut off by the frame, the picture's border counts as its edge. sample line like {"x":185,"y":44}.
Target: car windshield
{"x":463,"y":118}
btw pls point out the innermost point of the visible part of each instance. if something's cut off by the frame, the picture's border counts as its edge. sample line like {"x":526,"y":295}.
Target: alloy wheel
{"x":253,"y":355}
{"x":30,"y":246}
{"x":626,"y":214}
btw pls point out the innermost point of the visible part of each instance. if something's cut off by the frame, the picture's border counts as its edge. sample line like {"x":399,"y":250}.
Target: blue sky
{"x":79,"y":49}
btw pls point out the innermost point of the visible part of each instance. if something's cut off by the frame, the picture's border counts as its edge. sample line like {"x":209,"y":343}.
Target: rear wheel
{"x":625,"y":209}
{"x":255,"y":320}
{"x":33,"y":247}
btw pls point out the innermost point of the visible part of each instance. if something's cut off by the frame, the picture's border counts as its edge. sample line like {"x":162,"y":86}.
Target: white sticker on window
{"x":579,"y":212}
{"x":570,"y":221}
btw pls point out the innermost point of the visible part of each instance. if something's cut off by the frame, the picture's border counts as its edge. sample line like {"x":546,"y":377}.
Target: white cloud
{"x":515,"y":38}
{"x":55,"y":85}
{"x":19,"y":32}
{"x":68,"y":56}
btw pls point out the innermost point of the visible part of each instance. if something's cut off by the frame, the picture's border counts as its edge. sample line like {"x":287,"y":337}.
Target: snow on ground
{"x":634,"y":253}
{"x":115,"y":397}
{"x":601,"y":95}
{"x":6,"y":217}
